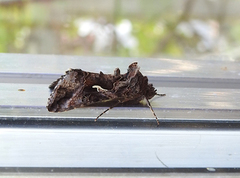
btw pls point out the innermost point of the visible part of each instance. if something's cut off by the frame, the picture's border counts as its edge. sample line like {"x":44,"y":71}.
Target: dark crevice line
{"x":158,"y":81}
{"x":143,"y":171}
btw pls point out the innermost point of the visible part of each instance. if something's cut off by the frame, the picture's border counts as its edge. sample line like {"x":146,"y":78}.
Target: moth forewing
{"x":78,"y":88}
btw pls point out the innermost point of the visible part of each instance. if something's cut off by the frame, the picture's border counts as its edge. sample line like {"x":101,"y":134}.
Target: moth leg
{"x":161,"y":94}
{"x":106,"y":111}
{"x":149,"y":105}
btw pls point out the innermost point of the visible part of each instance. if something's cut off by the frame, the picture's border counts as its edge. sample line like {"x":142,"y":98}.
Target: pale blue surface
{"x":119,"y":148}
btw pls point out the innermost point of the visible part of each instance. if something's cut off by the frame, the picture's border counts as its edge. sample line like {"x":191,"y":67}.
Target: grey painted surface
{"x":119,"y":148}
{"x":103,"y":146}
{"x":180,"y":103}
{"x":56,"y":64}
{"x":206,"y":98}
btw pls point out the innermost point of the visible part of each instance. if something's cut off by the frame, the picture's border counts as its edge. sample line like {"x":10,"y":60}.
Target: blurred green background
{"x":183,"y":29}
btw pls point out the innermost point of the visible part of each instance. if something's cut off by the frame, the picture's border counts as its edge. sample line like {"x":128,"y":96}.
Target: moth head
{"x":133,"y":65}
{"x":133,"y":70}
{"x":68,"y":70}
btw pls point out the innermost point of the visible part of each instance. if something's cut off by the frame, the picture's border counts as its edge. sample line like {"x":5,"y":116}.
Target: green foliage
{"x":154,"y":29}
{"x":146,"y":36}
{"x":12,"y":20}
{"x":235,"y":32}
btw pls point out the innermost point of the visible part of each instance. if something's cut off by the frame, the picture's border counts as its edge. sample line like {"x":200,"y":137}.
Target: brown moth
{"x":78,"y":88}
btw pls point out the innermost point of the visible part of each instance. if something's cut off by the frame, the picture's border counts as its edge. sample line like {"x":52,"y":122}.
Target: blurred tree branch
{"x":171,"y":31}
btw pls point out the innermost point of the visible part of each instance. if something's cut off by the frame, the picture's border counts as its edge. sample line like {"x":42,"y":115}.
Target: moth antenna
{"x":106,"y":111}
{"x":149,"y":105}
{"x":161,"y":94}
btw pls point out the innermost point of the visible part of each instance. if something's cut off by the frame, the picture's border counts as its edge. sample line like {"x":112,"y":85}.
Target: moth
{"x":78,"y":88}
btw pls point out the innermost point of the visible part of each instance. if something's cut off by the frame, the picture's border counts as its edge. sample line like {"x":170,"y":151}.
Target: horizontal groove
{"x":158,"y":81}
{"x":111,"y":170}
{"x":191,"y":82}
{"x":110,"y":123}
{"x":28,"y":78}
